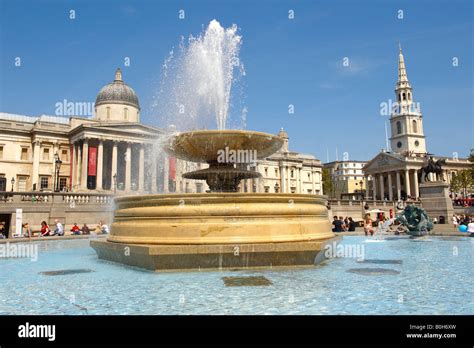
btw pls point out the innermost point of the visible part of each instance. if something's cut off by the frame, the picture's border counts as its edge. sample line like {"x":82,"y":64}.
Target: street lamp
{"x":57,"y":168}
{"x":115,"y":183}
{"x":13,"y":182}
{"x":361,"y":192}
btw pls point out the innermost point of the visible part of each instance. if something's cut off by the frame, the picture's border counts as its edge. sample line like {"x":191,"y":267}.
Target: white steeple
{"x":406,"y":120}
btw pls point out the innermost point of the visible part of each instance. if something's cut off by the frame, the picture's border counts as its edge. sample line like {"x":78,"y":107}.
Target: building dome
{"x":117,"y":92}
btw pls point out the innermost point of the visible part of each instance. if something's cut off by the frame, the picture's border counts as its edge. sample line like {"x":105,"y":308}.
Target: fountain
{"x":222,"y":228}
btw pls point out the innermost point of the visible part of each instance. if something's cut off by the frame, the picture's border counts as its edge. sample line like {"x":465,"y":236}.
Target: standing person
{"x":45,"y":230}
{"x":455,"y":222}
{"x":59,"y":230}
{"x":470,"y":228}
{"x":75,"y":229}
{"x":368,"y":228}
{"x":85,"y":229}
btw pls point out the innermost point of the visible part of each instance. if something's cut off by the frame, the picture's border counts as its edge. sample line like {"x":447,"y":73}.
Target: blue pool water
{"x":414,"y":276}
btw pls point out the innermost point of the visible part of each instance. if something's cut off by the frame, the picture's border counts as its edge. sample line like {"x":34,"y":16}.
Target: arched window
{"x":399,"y":97}
{"x":125,"y":114}
{"x":108,"y":112}
{"x":409,"y":96}
{"x":404,"y":96}
{"x":399,"y":127}
{"x":414,"y":126}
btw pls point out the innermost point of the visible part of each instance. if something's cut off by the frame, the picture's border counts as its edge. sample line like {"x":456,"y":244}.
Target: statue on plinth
{"x":432,"y":167}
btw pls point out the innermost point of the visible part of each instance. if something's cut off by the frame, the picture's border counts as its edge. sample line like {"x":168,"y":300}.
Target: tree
{"x":463,"y":182}
{"x":327,"y":183}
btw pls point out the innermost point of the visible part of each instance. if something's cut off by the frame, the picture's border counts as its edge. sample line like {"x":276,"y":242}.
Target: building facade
{"x":112,"y":152}
{"x":348,"y":180}
{"x":396,"y":174}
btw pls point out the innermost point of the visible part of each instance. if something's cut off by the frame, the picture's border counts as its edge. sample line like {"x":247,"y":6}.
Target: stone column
{"x":300,"y":181}
{"x":153,"y":171}
{"x":78,"y":166}
{"x":374,"y":185}
{"x":128,"y":167}
{"x":282,"y":179}
{"x":366,"y":180}
{"x":36,"y":160}
{"x":390,"y":188}
{"x":141,"y":169}
{"x":166,"y":174}
{"x":415,"y":178}
{"x":85,"y":153}
{"x":312,"y":182}
{"x":288,"y":179}
{"x":100,"y":164}
{"x":399,"y":186}
{"x":113,"y":170}
{"x":407,"y":182}
{"x":382,"y":190}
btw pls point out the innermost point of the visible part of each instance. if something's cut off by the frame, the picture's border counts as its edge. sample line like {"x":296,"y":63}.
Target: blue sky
{"x":296,"y":62}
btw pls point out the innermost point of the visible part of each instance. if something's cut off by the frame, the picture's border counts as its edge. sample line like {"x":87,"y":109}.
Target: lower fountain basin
{"x":217,"y":230}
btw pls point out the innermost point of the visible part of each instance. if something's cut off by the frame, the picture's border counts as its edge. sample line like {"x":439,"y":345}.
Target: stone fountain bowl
{"x":204,"y":145}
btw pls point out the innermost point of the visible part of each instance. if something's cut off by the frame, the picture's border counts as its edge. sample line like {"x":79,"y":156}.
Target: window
{"x":22,"y":179}
{"x":24,"y":154}
{"x":409,"y":96}
{"x":414,"y":126}
{"x":198,"y":187}
{"x":309,"y":176}
{"x":276,"y":172}
{"x":64,"y":155}
{"x":1,"y":151}
{"x":266,"y":171}
{"x":310,"y":192}
{"x":404,"y":96}
{"x":399,"y":127}
{"x":125,"y":114}
{"x":44,"y":182}
{"x":399,"y":98}
{"x":62,"y":184}
{"x":292,"y":173}
{"x":277,"y":188}
{"x":46,"y":154}
{"x":293,"y":190}
{"x":267,"y":189}
{"x":108,"y":112}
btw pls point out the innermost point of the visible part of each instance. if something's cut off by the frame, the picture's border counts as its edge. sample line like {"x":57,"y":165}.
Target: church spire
{"x":402,"y":71}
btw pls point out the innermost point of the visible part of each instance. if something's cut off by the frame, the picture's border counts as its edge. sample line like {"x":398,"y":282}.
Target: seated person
{"x":85,"y":229}
{"x":75,"y":229}
{"x":351,"y":225}
{"x":45,"y":230}
{"x":338,"y":225}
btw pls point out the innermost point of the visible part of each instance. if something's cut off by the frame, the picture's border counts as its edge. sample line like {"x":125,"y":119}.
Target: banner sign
{"x":92,"y":161}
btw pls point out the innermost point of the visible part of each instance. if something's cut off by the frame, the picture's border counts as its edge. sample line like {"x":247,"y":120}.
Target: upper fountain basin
{"x":206,"y":145}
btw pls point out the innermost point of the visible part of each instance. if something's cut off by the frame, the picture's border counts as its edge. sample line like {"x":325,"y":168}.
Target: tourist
{"x":2,"y":231}
{"x":26,"y":230}
{"x":59,"y":230}
{"x":104,"y":229}
{"x":85,"y":229}
{"x":45,"y":230}
{"x":346,"y":223}
{"x":75,"y":229}
{"x":351,"y":225}
{"x":368,"y":228}
{"x":455,"y":222}
{"x":338,"y":225}
{"x":470,"y":228}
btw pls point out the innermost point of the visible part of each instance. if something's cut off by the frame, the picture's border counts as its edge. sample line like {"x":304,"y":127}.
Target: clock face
{"x":399,"y":144}
{"x":417,"y":143}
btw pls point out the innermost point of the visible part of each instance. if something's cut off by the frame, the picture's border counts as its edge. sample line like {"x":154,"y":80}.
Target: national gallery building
{"x":113,"y":152}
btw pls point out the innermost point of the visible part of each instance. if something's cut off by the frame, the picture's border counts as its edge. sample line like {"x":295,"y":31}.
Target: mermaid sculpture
{"x":415,"y":220}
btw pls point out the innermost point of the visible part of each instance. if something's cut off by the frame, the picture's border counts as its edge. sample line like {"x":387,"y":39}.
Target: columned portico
{"x":407,"y":182}
{"x":399,"y":186}
{"x":100,"y":164}
{"x":382,"y":191}
{"x":390,"y":187}
{"x":128,"y":167}
{"x":141,"y":169}
{"x":85,"y":150}
{"x":36,"y":160}
{"x":415,"y":182}
{"x":374,"y":185}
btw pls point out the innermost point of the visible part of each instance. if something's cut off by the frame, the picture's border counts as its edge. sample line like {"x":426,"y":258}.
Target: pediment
{"x":383,"y":161}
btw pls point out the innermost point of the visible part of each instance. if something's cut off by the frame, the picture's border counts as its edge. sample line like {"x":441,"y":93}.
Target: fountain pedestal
{"x":224,"y":229}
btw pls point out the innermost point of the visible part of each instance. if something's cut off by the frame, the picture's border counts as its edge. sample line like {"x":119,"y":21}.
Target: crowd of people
{"x":465,"y":220}
{"x":58,"y":229}
{"x":343,"y":224}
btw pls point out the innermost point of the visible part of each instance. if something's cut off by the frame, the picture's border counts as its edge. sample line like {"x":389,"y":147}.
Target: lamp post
{"x":13,"y":182}
{"x":115,"y":183}
{"x":57,"y":168}
{"x":361,"y":192}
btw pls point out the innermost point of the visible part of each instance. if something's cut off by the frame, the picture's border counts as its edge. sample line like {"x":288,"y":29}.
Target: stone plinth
{"x":217,"y":230}
{"x":435,"y":199}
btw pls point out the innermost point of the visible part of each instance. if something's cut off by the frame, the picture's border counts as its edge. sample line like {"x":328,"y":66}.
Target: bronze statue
{"x":415,"y":220}
{"x":432,"y":167}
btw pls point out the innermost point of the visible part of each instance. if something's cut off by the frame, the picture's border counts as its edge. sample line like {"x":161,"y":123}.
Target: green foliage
{"x":327,"y":183}
{"x":463,"y":181}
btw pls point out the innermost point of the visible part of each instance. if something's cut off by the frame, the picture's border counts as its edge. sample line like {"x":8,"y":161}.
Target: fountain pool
{"x":408,"y":277}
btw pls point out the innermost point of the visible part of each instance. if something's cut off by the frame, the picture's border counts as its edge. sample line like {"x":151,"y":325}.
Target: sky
{"x":288,"y":61}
